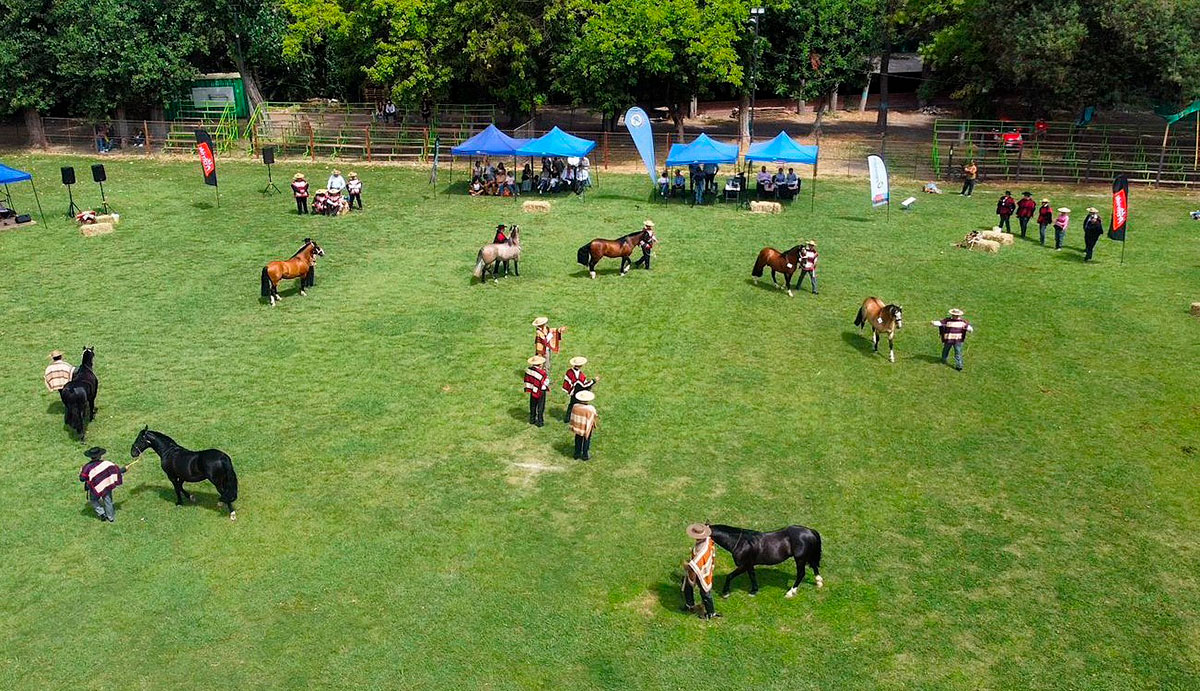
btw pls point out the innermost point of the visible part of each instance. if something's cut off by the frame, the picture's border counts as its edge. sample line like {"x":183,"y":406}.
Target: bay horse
{"x":79,"y":395}
{"x":302,"y":265}
{"x":751,"y":548}
{"x":883,"y":319}
{"x":786,"y":263}
{"x":590,"y":254}
{"x":494,"y":253}
{"x":182,"y":465}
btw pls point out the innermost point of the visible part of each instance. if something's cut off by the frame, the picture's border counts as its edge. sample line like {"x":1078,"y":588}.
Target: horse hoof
{"x":233,"y":515}
{"x":790,"y":294}
{"x":753,"y":594}
{"x":303,"y":293}
{"x":791,"y":593}
{"x":592,"y":274}
{"x":724,"y":596}
{"x":192,"y":497}
{"x":820,"y":582}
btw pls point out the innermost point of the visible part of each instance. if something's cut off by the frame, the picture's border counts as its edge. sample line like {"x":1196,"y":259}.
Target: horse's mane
{"x":746,"y":532}
{"x":167,"y":441}
{"x":630,"y":235}
{"x":302,"y":248}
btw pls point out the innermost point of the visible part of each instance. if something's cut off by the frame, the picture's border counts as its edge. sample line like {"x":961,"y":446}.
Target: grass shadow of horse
{"x":861,"y":343}
{"x":765,"y":284}
{"x":56,"y":407}
{"x":209,"y":500}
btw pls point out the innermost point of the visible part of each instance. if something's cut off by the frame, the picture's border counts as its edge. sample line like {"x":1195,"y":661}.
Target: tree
{"x":26,"y":64}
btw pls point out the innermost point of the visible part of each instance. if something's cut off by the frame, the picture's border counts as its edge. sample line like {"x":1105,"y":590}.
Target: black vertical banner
{"x":1120,"y":208}
{"x":208,"y":160}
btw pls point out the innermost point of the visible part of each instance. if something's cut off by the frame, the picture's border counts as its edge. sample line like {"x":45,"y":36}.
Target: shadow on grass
{"x":765,"y":284}
{"x":56,"y":407}
{"x":857,"y":219}
{"x":566,"y":445}
{"x":86,"y":509}
{"x":204,"y":205}
{"x":208,"y":500}
{"x":931,"y":359}
{"x":610,"y":270}
{"x":861,"y":342}
{"x":520,"y":414}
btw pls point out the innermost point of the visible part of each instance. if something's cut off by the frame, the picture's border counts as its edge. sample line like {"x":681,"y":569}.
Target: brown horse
{"x":786,"y":263}
{"x":590,"y":254}
{"x":302,"y":265}
{"x":883,"y":319}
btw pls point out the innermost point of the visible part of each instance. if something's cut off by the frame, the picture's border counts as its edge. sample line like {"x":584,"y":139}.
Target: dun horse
{"x":182,"y":465}
{"x":786,"y":263}
{"x":590,"y":254}
{"x":883,"y":319}
{"x":302,"y":265}
{"x":79,"y":395}
{"x":495,"y":253}
{"x":751,"y":548}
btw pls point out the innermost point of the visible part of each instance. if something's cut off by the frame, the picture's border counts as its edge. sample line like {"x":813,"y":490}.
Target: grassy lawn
{"x":1030,"y":522}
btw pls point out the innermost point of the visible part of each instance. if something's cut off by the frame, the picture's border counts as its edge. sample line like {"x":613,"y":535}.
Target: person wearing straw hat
{"x":537,"y":383}
{"x":1060,"y":227}
{"x":583,"y":423}
{"x":1045,"y":218}
{"x":1093,"y":228}
{"x":545,"y":339}
{"x":954,"y":330}
{"x":300,"y":192}
{"x":698,"y":571}
{"x":354,"y":190}
{"x":970,"y":172}
{"x":808,"y":265}
{"x":336,"y":183}
{"x":1004,"y":209}
{"x":1025,"y":209}
{"x":100,"y":477}
{"x":647,"y":243}
{"x":575,"y":381}
{"x":58,"y":372}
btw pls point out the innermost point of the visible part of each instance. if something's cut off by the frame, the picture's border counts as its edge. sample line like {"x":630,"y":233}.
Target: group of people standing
{"x":1026,"y":208}
{"x":338,"y":196}
{"x":581,"y":415}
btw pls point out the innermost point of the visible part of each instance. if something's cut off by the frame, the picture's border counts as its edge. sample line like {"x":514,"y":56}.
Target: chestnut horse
{"x":590,"y":254}
{"x":883,"y":319}
{"x":786,"y":263}
{"x":302,"y":265}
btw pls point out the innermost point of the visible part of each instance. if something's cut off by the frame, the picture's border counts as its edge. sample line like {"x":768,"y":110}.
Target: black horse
{"x":79,"y":395}
{"x":751,"y":548}
{"x":182,"y":465}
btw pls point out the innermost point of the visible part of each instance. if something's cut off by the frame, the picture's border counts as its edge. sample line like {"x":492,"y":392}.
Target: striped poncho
{"x":101,"y":477}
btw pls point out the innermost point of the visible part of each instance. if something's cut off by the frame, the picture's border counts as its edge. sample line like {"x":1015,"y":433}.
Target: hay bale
{"x":985,"y":245}
{"x":993,"y":234}
{"x":93,"y":229}
{"x":535,"y":207}
{"x":766,"y":207}
{"x":1196,"y":309}
{"x":1005,"y":239}
{"x":109,"y":218}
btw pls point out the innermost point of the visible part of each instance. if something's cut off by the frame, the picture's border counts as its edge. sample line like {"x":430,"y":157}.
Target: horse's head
{"x":89,"y":353}
{"x":141,"y":443}
{"x":515,"y":236}
{"x":316,"y":249}
{"x":897,"y":314}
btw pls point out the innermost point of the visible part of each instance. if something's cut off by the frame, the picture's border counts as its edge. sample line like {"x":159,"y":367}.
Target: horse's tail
{"x":266,"y":283}
{"x":584,"y":255}
{"x":75,"y":400}
{"x":814,"y":559}
{"x":861,"y":318}
{"x":229,"y":483}
{"x":759,"y":264}
{"x":478,"y":273}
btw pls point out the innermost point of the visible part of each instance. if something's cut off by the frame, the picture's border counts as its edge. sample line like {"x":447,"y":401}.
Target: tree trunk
{"x":833,"y":98}
{"x":253,"y":93}
{"x":881,"y":122}
{"x":676,"y":110}
{"x":33,"y":123}
{"x":744,"y":119}
{"x":122,"y":126}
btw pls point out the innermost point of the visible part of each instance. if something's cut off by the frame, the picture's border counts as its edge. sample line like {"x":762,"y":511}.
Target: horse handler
{"x":954,"y":330}
{"x":545,"y":339}
{"x":575,"y":381}
{"x":647,"y":244}
{"x":808,"y":265}
{"x":583,"y":422}
{"x":100,"y":477}
{"x":537,"y":383}
{"x":698,"y":571}
{"x":58,"y":372}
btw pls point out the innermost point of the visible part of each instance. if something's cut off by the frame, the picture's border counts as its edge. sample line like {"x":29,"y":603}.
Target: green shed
{"x":209,"y":95}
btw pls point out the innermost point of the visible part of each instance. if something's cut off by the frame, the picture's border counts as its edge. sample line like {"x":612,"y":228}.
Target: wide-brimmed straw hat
{"x":585,"y":396}
{"x":541,"y":321}
{"x":811,"y":243}
{"x":55,"y":354}
{"x":955,"y":312}
{"x":1045,"y":201}
{"x":536,"y":360}
{"x":354,"y":175}
{"x":1093,"y":210}
{"x":579,"y":361}
{"x":298,"y":176}
{"x":698,"y":531}
{"x":1063,"y":210}
{"x":336,"y":171}
{"x":95,"y":453}
{"x":648,"y":223}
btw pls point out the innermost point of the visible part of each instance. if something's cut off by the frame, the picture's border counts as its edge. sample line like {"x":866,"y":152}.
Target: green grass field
{"x":1030,"y":522}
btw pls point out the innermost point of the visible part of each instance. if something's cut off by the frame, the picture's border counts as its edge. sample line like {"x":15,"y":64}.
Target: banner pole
{"x":218,"y":191}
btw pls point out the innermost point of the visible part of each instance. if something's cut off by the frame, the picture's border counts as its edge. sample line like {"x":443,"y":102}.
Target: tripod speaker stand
{"x":269,"y":158}
{"x":68,"y":179}
{"x":99,"y":176}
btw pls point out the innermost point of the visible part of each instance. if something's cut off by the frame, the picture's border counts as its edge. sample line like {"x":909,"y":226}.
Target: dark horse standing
{"x":590,"y":254}
{"x":79,"y":395}
{"x":182,"y":465}
{"x":751,"y":548}
{"x":786,"y":263}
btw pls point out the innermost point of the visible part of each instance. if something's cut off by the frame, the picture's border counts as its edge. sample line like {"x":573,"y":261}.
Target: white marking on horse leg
{"x":303,"y":293}
{"x":272,"y":300}
{"x":233,"y":515}
{"x":790,"y":294}
{"x":820,"y":582}
{"x":891,"y":355}
{"x":592,"y":274}
{"x":791,"y":592}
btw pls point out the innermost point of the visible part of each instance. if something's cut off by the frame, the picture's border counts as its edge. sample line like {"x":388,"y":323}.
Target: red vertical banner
{"x":1120,"y":208}
{"x":208,"y":160}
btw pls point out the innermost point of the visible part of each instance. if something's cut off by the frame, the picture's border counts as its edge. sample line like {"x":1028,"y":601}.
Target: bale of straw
{"x":993,"y":234}
{"x":535,"y":207}
{"x":1196,"y":309}
{"x":984,"y":245}
{"x":109,"y":218}
{"x":766,"y":207}
{"x":93,"y":229}
{"x":1004,"y":239}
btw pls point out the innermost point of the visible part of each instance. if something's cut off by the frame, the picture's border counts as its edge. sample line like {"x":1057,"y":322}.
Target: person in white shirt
{"x":336,"y":183}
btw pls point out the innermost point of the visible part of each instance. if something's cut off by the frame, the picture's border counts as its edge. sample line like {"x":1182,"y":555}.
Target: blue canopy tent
{"x":557,"y":143}
{"x":702,"y":150}
{"x":490,"y":142}
{"x":783,"y":149}
{"x":10,"y":175}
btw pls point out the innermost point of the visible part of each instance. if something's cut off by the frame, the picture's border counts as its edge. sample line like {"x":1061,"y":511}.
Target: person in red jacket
{"x":1004,"y":209}
{"x":300,"y":191}
{"x":537,"y":383}
{"x":1045,"y":218}
{"x":1025,"y":209}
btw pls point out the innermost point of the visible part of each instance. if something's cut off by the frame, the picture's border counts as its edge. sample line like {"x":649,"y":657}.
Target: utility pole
{"x":756,"y":14}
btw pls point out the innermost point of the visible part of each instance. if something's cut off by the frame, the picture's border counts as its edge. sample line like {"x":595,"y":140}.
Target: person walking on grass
{"x":1060,"y":227}
{"x":100,"y":477}
{"x":354,"y":190}
{"x":970,"y":172}
{"x":1025,"y":209}
{"x":1093,"y":228}
{"x":1045,"y":218}
{"x":954,"y":330}
{"x":584,"y":421}
{"x":574,"y":382}
{"x":808,"y":265}
{"x":537,"y":383}
{"x":1004,"y":209}
{"x":58,"y":372}
{"x":545,"y":339}
{"x":647,"y":244}
{"x":698,"y":571}
{"x":300,"y":192}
